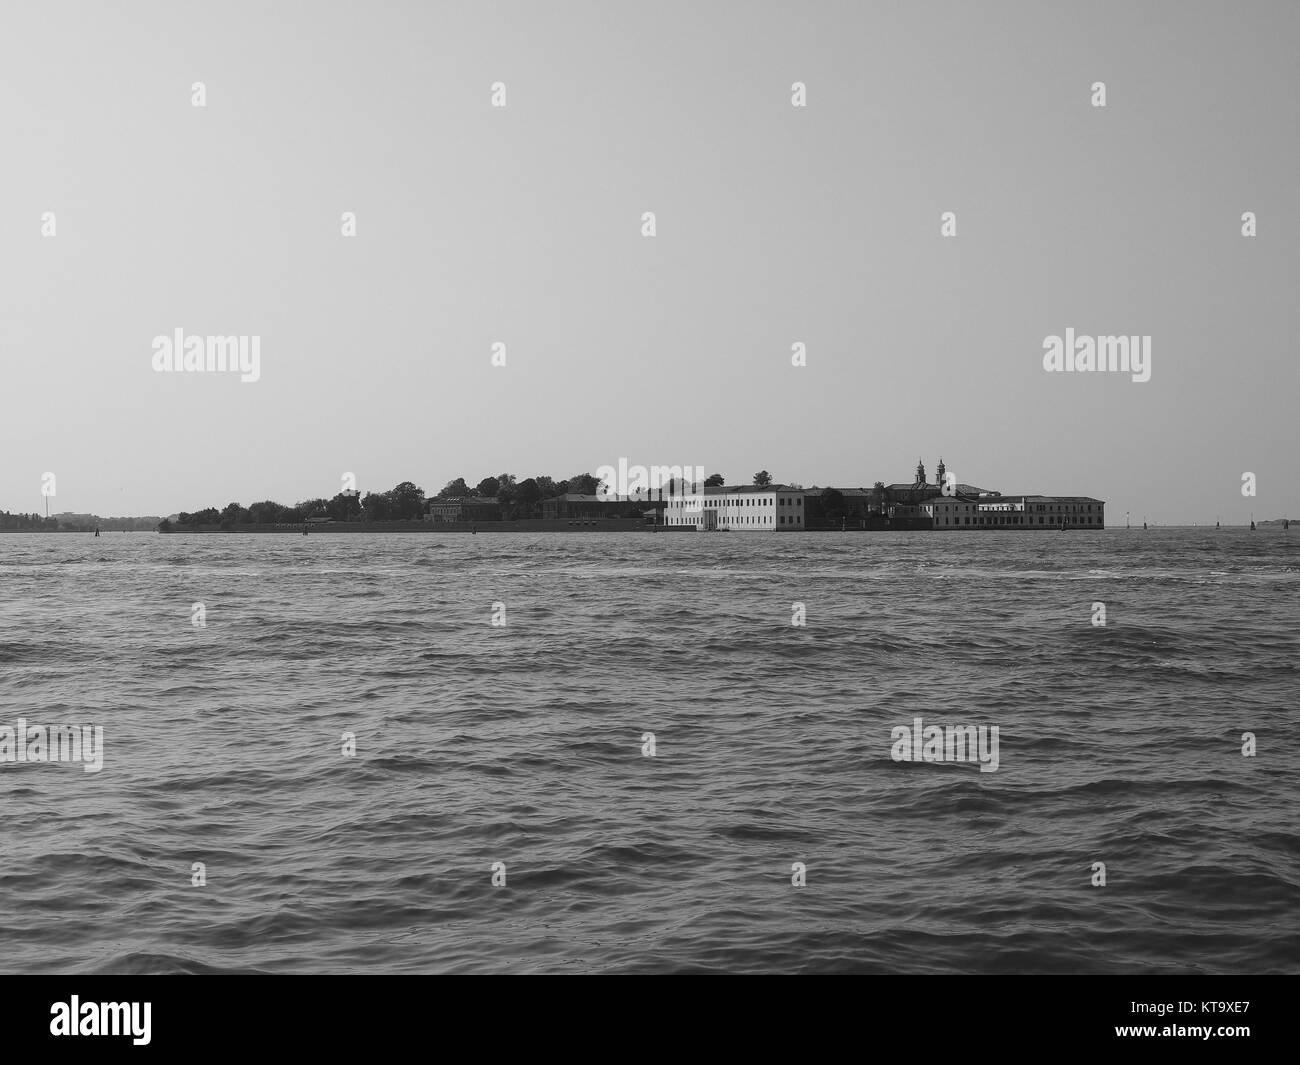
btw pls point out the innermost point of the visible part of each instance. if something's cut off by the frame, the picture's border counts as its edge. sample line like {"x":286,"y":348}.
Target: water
{"x":522,"y":744}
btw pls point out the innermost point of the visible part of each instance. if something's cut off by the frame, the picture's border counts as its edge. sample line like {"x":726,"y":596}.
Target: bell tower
{"x":941,"y":471}
{"x":920,"y":472}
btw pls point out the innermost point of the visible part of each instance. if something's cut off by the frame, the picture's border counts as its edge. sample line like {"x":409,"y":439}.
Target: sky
{"x":775,"y":225}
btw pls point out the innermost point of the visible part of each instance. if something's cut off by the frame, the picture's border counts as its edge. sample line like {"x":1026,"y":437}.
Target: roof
{"x":959,"y":488}
{"x":575,"y":497}
{"x":742,"y":489}
{"x":1055,"y":499}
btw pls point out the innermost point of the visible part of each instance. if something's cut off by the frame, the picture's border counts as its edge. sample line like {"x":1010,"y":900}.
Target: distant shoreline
{"x":521,"y":525}
{"x":612,"y":525}
{"x":534,"y":525}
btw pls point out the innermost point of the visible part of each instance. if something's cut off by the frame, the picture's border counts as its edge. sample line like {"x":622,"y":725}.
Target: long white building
{"x":994,"y":510}
{"x":746,"y":508}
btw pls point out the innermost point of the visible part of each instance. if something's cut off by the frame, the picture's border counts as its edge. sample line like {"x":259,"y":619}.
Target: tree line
{"x":27,"y":523}
{"x":69,"y":522}
{"x":404,"y":502}
{"x":407,"y":501}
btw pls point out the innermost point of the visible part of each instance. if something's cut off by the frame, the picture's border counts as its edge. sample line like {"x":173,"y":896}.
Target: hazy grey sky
{"x":775,"y":224}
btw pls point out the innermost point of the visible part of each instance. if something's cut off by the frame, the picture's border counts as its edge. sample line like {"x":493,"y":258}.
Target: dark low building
{"x":468,"y":508}
{"x":842,"y":508}
{"x":574,"y":507}
{"x":1049,"y":512}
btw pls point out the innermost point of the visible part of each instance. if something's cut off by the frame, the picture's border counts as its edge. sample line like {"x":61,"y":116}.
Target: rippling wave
{"x":522,"y":744}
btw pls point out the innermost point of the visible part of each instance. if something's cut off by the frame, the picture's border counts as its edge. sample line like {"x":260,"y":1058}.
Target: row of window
{"x":782,"y":520}
{"x":743,"y":502}
{"x":1051,"y":508}
{"x":1017,"y":519}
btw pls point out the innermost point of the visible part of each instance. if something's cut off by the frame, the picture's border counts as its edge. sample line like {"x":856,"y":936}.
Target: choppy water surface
{"x":522,"y":744}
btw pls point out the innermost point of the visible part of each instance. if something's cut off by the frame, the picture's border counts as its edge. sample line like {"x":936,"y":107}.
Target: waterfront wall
{"x":899,"y":523}
{"x":523,"y":525}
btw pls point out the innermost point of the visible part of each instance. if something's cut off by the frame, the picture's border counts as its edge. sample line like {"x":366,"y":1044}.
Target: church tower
{"x":920,"y":472}
{"x":941,"y":471}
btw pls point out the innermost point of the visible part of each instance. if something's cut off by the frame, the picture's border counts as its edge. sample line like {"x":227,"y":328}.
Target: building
{"x":948,"y":511}
{"x":443,"y":510}
{"x":1054,"y":512}
{"x":747,"y":508}
{"x":843,"y":508}
{"x":965,"y":506}
{"x":463,"y":509}
{"x":920,"y":490}
{"x":945,"y":504}
{"x":994,"y":510}
{"x":575,"y":507}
